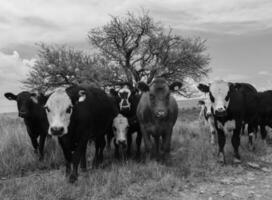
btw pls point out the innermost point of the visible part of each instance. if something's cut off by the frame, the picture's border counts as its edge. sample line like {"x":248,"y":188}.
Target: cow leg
{"x":221,"y":144}
{"x":101,"y":149}
{"x":116,"y":150}
{"x":65,"y":145}
{"x":263,"y":131}
{"x":251,"y":135}
{"x":83,"y":162}
{"x":129,"y":141}
{"x":147,"y":143}
{"x":33,"y":139}
{"x":77,"y":155}
{"x":95,"y":159}
{"x":41,"y":145}
{"x":157,"y":147}
{"x":167,"y":144}
{"x":235,"y":140}
{"x":138,"y":144}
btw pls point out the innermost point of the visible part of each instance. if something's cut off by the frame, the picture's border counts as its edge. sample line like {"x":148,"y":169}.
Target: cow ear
{"x":175,"y":86}
{"x":203,"y":88}
{"x":10,"y":96}
{"x":82,"y":95}
{"x":34,"y":97}
{"x":142,"y":86}
{"x":201,"y":102}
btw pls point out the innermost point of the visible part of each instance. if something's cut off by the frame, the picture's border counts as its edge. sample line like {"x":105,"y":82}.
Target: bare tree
{"x":136,"y":46}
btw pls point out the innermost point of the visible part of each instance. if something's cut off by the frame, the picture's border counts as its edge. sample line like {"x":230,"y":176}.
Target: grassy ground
{"x":193,"y":159}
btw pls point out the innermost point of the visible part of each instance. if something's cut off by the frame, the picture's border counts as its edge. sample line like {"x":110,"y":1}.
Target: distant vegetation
{"x":126,"y":49}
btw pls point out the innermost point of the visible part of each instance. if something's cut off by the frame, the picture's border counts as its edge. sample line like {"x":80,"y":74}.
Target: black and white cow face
{"x":25,"y":101}
{"x":58,"y":110}
{"x":124,"y":94}
{"x":120,"y":129}
{"x":219,"y":96}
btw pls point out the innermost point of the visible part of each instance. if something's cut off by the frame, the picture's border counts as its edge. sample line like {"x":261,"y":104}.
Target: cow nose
{"x":123,"y":143}
{"x":57,"y":131}
{"x":160,"y":113}
{"x":220,"y":112}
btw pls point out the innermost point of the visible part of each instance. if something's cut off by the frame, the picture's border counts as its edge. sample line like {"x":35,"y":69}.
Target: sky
{"x":238,"y":33}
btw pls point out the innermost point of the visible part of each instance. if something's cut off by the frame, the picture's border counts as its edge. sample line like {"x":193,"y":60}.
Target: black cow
{"x":232,"y":101}
{"x":127,"y":99}
{"x":30,"y":108}
{"x":76,"y":115}
{"x":157,"y":113}
{"x":265,"y":111}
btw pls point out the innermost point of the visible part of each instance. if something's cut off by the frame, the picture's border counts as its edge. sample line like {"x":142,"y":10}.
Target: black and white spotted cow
{"x":235,"y":103}
{"x":30,"y":108}
{"x":127,"y":99}
{"x":206,"y":117}
{"x":76,"y":115}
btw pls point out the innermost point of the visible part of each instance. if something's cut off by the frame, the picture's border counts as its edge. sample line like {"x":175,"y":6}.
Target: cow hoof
{"x":236,"y":161}
{"x":72,"y":178}
{"x":221,"y":158}
{"x":84,"y":170}
{"x":36,"y":151}
{"x":251,"y":147}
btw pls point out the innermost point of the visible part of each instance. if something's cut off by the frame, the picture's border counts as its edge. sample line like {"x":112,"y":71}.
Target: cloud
{"x":13,"y":69}
{"x":231,"y":77}
{"x":65,"y":21}
{"x":265,"y":73}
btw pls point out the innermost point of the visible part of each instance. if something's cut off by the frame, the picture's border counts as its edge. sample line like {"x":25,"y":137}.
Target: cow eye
{"x":47,"y":109}
{"x":113,"y":128}
{"x":211,"y":97}
{"x":152,"y":97}
{"x":69,"y":110}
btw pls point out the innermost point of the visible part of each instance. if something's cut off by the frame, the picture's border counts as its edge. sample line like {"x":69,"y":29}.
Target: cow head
{"x":219,"y":96}
{"x":25,"y":102}
{"x":120,"y":127}
{"x":59,"y":108}
{"x":124,"y":94}
{"x":159,"y":95}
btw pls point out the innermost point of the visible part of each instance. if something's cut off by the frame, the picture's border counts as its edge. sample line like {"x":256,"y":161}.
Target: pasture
{"x":192,"y":162}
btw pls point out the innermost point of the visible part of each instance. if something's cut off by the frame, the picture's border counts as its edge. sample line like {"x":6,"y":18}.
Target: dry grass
{"x":192,"y":157}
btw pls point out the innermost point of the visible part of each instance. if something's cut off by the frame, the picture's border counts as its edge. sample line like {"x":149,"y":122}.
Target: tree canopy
{"x":127,"y":49}
{"x":142,"y":47}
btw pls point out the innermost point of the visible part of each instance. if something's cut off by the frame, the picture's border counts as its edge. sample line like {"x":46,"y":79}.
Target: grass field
{"x":193,"y":159}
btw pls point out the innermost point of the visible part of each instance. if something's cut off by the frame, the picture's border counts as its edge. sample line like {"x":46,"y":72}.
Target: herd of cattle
{"x":78,"y":114}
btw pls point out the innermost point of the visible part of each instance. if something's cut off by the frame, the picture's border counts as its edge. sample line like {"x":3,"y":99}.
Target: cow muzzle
{"x":160,"y":114}
{"x":57,"y":131}
{"x":122,"y":143}
{"x":220,"y":112}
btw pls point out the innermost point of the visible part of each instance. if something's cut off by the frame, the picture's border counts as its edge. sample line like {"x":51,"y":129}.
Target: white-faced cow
{"x":127,"y":99}
{"x":205,"y":116}
{"x":76,"y":115}
{"x":157,"y":113}
{"x":30,"y":108}
{"x":232,"y":102}
{"x":120,"y":128}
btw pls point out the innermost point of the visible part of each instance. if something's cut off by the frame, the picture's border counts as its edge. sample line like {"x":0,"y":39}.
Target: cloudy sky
{"x":238,"y":33}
